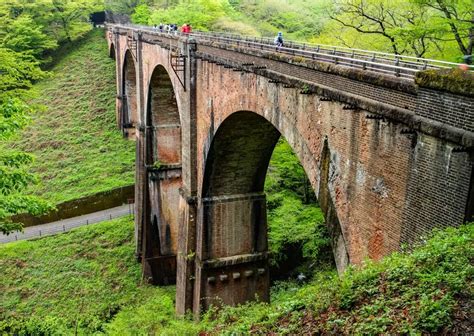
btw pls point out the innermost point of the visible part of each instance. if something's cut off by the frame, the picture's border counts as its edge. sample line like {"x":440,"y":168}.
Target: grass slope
{"x":88,"y":281}
{"x":77,"y":147}
{"x":78,"y":281}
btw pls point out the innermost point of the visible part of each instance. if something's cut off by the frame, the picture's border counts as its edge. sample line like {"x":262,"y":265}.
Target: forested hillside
{"x":74,"y":138}
{"x":441,"y":29}
{"x":31,"y":32}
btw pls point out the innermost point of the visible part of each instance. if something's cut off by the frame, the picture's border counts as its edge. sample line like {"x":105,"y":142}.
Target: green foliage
{"x":201,"y":14}
{"x":17,"y":72}
{"x":73,"y":280}
{"x":28,"y":30}
{"x":141,"y":14}
{"x":453,"y":19}
{"x":121,"y":6}
{"x":423,"y":28}
{"x":85,"y":281}
{"x":300,"y":19}
{"x":23,"y":35}
{"x":293,"y":215}
{"x":420,"y":293}
{"x":50,"y":22}
{"x":411,"y":27}
{"x":88,"y":280}
{"x":297,"y":19}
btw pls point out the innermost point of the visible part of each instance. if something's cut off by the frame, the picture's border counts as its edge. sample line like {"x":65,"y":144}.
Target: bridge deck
{"x":386,"y":63}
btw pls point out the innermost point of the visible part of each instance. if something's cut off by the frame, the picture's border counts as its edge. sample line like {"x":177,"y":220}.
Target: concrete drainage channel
{"x":68,"y":224}
{"x":86,"y":205}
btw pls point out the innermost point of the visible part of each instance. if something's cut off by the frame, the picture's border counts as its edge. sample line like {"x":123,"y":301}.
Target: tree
{"x":23,"y":35}
{"x":72,"y":16}
{"x":17,"y":71}
{"x":403,"y":27}
{"x":141,"y":15}
{"x":121,"y":6}
{"x":458,"y":17}
{"x":418,"y":27}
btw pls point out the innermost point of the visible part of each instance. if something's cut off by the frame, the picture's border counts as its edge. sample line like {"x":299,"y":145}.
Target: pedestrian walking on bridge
{"x":279,"y":41}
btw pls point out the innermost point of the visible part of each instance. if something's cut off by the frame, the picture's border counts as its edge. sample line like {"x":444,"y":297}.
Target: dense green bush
{"x":293,"y":214}
{"x":426,"y":292}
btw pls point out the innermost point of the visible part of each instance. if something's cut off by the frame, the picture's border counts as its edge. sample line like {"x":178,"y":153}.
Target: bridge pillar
{"x":185,"y":279}
{"x":186,"y":253}
{"x":231,"y":260}
{"x":140,"y":191}
{"x":161,"y":225}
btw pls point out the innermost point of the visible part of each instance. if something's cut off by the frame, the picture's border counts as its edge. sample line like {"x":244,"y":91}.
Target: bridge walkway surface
{"x":68,"y":224}
{"x":402,"y":66}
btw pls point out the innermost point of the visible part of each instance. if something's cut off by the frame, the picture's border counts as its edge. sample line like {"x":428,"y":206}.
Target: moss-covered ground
{"x":87,"y":282}
{"x":79,"y":150}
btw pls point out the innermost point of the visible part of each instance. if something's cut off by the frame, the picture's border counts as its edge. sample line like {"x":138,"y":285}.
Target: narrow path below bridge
{"x":68,"y":224}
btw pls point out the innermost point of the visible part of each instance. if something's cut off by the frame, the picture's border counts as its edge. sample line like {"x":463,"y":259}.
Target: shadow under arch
{"x":112,"y":51}
{"x":129,"y":112}
{"x":232,"y":241}
{"x":163,"y":179}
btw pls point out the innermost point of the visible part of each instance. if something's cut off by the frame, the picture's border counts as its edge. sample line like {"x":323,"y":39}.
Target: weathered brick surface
{"x":388,"y":161}
{"x":150,"y":95}
{"x":129,"y":98}
{"x":450,"y":109}
{"x":437,"y":189}
{"x":385,"y":95}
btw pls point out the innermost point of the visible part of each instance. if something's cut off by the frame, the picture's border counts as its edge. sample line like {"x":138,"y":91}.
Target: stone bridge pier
{"x":388,"y":158}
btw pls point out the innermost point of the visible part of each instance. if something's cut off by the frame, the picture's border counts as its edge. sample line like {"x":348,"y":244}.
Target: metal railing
{"x":66,"y":225}
{"x":390,"y":64}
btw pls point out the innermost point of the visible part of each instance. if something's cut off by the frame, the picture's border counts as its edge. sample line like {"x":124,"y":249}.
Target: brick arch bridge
{"x":388,"y":159}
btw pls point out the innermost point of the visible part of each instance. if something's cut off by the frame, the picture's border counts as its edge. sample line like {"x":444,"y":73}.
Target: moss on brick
{"x":452,"y":80}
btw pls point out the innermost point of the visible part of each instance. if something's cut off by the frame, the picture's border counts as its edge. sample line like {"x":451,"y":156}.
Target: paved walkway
{"x":68,"y":224}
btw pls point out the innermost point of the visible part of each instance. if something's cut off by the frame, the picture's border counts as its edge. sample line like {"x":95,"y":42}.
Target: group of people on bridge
{"x":172,"y":28}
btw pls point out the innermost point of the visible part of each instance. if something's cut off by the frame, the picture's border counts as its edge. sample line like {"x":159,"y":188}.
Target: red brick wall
{"x":383,"y":156}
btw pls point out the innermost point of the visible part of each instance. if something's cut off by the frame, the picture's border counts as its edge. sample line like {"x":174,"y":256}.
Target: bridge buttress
{"x":118,"y":76}
{"x":140,"y":171}
{"x":186,"y":276}
{"x":232,"y":251}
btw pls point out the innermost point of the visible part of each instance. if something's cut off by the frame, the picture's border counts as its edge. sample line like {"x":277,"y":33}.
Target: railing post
{"x":397,"y":63}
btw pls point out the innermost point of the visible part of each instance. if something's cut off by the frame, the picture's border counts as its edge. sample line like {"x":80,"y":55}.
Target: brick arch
{"x":129,"y":112}
{"x":162,"y":113}
{"x":112,"y":51}
{"x":233,"y":208}
{"x":239,"y":154}
{"x":163,"y":178}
